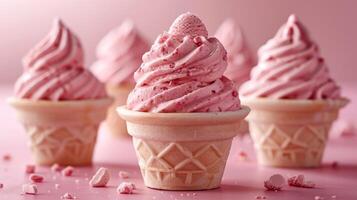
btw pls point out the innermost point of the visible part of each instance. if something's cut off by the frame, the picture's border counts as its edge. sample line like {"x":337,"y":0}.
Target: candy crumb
{"x":6,"y":157}
{"x":30,"y":169}
{"x":275,"y":182}
{"x":345,"y":128}
{"x":124,"y":174}
{"x":29,"y":189}
{"x":334,"y":165}
{"x":126,"y":188}
{"x":1,"y":185}
{"x":100,"y":178}
{"x":299,"y":181}
{"x":318,"y":198}
{"x":36,"y":178}
{"x":57,"y":186}
{"x":56,"y":168}
{"x":68,"y":171}
{"x":260,"y":197}
{"x":68,"y":196}
{"x":242,"y":156}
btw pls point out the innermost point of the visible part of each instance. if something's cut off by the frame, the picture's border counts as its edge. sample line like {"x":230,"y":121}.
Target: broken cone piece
{"x":275,"y":182}
{"x":299,"y":181}
{"x":100,"y":178}
{"x":29,"y":189}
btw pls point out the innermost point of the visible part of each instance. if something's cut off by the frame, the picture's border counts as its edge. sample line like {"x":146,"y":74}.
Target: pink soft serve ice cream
{"x":240,"y":60}
{"x":183,"y":72}
{"x":119,"y":55}
{"x":290,"y":67}
{"x":53,"y":70}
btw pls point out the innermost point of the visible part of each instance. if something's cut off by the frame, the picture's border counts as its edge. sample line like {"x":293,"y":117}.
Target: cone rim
{"x":183,"y":118}
{"x":18,"y":102}
{"x":294,"y":104}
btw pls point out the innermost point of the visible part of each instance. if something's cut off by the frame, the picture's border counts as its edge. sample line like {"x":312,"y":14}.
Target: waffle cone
{"x":115,"y":124}
{"x":61,"y":132}
{"x":182,"y":151}
{"x":291,"y":133}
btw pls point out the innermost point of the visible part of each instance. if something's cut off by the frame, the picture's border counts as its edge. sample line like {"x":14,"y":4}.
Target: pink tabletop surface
{"x":242,"y":179}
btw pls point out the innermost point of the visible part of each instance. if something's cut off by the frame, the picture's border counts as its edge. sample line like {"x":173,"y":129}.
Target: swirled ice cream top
{"x":53,"y":70}
{"x":183,"y":72}
{"x":290,"y":67}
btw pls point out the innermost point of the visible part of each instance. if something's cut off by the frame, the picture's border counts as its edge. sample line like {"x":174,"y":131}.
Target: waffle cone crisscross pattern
{"x":291,"y":133}
{"x":182,"y":151}
{"x":71,"y":145}
{"x":185,"y":164}
{"x":295,"y":145}
{"x":61,"y":132}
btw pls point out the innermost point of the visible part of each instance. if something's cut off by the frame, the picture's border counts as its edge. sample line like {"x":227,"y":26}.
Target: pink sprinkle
{"x":334,"y":165}
{"x":29,"y":189}
{"x":124,"y":174}
{"x":68,"y":171}
{"x":35,"y":178}
{"x":345,"y":128}
{"x":6,"y":157}
{"x":242,"y":156}
{"x":56,"y":168}
{"x":30,"y":169}
{"x":275,"y":182}
{"x":318,"y":198}
{"x":68,"y":196}
{"x":126,"y":188}
{"x":57,"y":186}
{"x":299,"y":181}
{"x":100,"y":178}
{"x":333,"y":197}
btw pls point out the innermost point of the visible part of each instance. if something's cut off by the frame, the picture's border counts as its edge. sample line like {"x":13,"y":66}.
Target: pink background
{"x":331,"y":23}
{"x":24,"y":22}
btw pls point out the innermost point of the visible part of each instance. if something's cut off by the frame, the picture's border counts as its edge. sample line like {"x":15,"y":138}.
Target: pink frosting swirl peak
{"x":290,"y":67}
{"x":119,"y":55}
{"x":240,"y":59}
{"x":183,"y":72}
{"x":58,"y":49}
{"x":53,"y":70}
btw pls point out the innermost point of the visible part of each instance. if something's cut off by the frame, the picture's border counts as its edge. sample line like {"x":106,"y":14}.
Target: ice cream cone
{"x":62,"y":132}
{"x":182,"y":151}
{"x":114,"y":123}
{"x":291,"y":133}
